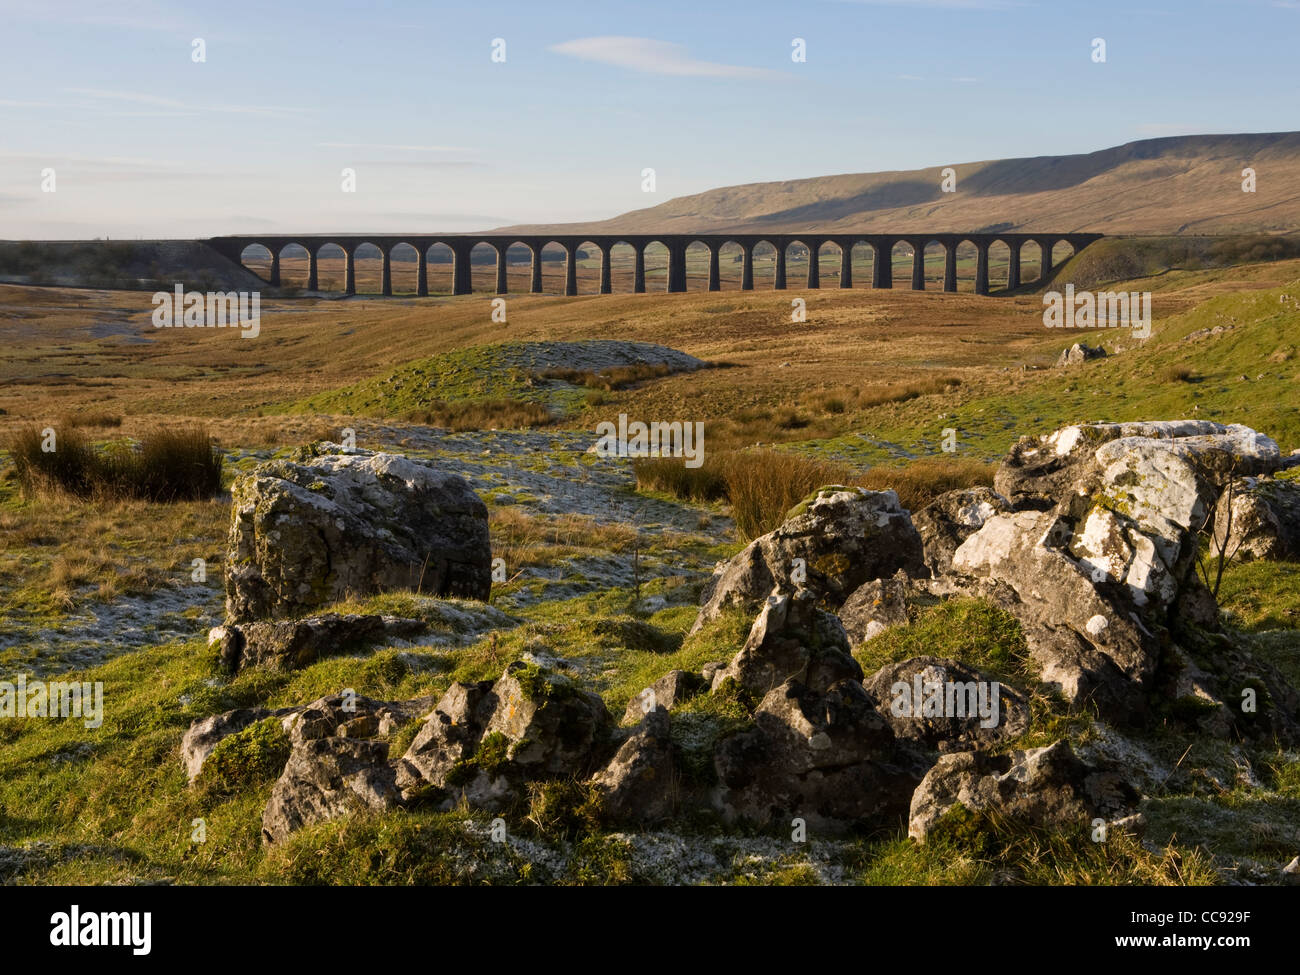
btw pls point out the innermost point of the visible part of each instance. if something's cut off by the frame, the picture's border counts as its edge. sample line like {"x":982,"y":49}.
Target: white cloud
{"x":654,"y":57}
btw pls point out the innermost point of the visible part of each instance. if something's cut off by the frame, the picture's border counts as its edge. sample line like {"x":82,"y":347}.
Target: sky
{"x":146,"y":141}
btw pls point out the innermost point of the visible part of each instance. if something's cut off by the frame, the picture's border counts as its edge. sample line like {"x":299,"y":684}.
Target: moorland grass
{"x":177,"y":464}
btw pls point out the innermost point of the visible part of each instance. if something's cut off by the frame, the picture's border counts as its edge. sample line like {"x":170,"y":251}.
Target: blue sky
{"x":146,"y":142}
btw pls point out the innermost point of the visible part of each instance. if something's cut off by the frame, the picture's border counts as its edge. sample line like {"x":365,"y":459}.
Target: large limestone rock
{"x":841,"y":537}
{"x":1043,"y":787}
{"x":1100,"y":550}
{"x":304,"y":534}
{"x":1103,"y":652}
{"x":792,"y":639}
{"x":1039,"y":471}
{"x":828,"y":758}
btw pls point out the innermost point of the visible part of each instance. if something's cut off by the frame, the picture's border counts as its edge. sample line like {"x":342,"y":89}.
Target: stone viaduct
{"x":676,"y":244}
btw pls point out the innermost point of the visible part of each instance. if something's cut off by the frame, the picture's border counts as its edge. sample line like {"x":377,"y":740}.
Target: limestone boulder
{"x":791,"y":639}
{"x":307,"y":533}
{"x":828,"y":758}
{"x":830,"y":544}
{"x":1040,"y":787}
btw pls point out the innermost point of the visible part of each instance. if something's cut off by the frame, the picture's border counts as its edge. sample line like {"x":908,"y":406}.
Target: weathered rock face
{"x":792,"y":639}
{"x":828,"y":758}
{"x":1259,"y":518}
{"x":306,"y":534}
{"x":639,"y":783}
{"x":1104,"y":654}
{"x":554,"y":728}
{"x":843,"y":537}
{"x":950,"y":519}
{"x":1036,"y":787}
{"x":947,"y":706}
{"x":327,"y":778}
{"x":290,"y":644}
{"x":667,"y":692}
{"x":873,"y":608}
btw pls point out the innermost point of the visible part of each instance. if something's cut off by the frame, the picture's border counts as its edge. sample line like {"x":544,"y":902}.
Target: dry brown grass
{"x":169,"y":464}
{"x":523,"y":538}
{"x":921,"y":481}
{"x":618,"y":377}
{"x":91,"y":419}
{"x":763,"y":485}
{"x":492,"y":414}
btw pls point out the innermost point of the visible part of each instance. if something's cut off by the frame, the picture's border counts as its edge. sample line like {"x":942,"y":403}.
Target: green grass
{"x":1142,"y":382}
{"x":971,"y":631}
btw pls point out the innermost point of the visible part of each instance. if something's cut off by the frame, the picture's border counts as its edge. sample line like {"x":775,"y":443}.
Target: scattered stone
{"x":1258,"y":518}
{"x":1078,"y":354}
{"x":638,"y":785}
{"x":826,"y":757}
{"x":667,"y":692}
{"x":902,"y":691}
{"x":873,"y":608}
{"x":326,"y":778}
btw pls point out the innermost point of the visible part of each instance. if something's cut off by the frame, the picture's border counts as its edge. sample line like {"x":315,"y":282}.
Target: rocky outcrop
{"x":827,"y":757}
{"x":830,"y":544}
{"x":1078,"y":354}
{"x":307,"y":533}
{"x":1040,"y":787}
{"x":792,"y":639}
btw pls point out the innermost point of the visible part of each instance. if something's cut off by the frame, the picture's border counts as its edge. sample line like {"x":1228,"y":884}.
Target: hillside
{"x":1177,"y":185}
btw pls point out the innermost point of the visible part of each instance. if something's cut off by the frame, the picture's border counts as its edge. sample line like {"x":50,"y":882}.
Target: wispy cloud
{"x":139,"y":98}
{"x":654,"y":57}
{"x":390,"y":145}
